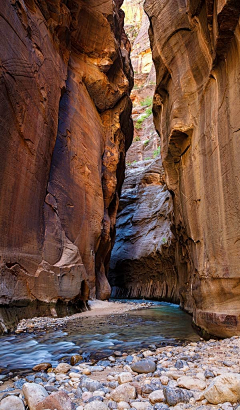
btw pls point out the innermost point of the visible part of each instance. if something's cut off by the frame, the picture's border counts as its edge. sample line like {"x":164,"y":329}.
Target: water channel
{"x":97,"y":338}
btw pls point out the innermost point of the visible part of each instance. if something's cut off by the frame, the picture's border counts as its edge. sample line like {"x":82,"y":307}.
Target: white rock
{"x":224,"y":388}
{"x":79,"y":408}
{"x":156,"y":396}
{"x":12,"y":403}
{"x":63,"y":368}
{"x":61,"y":376}
{"x":75,"y":375}
{"x":99,"y":393}
{"x":191,"y":383}
{"x":96,"y":405}
{"x":124,"y":392}
{"x":86,"y":395}
{"x":34,"y":393}
{"x":164,"y":380}
{"x":124,"y":377}
{"x":148,"y":353}
{"x":140,"y":405}
{"x":122,"y":405}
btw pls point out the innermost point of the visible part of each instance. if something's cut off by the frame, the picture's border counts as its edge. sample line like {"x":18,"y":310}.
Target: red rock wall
{"x":65,"y":126}
{"x":196,"y":50}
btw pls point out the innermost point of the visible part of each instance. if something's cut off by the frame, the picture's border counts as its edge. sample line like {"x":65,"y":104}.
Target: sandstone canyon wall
{"x":66,"y":124}
{"x":196,"y":51}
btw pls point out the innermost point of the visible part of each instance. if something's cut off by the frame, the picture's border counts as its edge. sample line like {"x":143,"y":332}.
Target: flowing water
{"x":98,"y":337}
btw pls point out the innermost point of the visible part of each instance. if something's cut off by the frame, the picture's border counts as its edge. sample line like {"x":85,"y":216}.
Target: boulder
{"x":224,"y":388}
{"x":34,"y":394}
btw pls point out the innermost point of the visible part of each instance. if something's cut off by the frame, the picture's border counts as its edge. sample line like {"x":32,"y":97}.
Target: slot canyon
{"x":120,"y":177}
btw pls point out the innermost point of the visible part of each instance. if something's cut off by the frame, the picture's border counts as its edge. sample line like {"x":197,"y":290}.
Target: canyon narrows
{"x":66,"y":126}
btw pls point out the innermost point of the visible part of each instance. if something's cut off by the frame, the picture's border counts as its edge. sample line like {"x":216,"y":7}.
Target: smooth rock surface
{"x":34,"y":394}
{"x":124,"y":392}
{"x":144,"y":366}
{"x":12,"y":403}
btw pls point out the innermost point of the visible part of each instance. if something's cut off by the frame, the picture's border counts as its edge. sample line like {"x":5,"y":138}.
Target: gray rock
{"x":18,"y":384}
{"x":147,"y":388}
{"x":179,"y":364}
{"x":30,"y":378}
{"x":177,"y":395}
{"x":95,"y":398}
{"x":112,"y":405}
{"x":208,"y":374}
{"x":144,"y":366}
{"x":51,"y":388}
{"x":160,"y":406}
{"x":91,"y":385}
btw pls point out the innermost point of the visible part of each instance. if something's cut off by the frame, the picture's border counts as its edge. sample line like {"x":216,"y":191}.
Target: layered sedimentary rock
{"x":143,"y":256}
{"x":146,"y":140}
{"x":196,"y":50}
{"x":65,"y":122}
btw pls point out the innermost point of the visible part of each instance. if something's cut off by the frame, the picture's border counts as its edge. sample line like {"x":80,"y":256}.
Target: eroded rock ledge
{"x":65,"y":120}
{"x":196,"y":51}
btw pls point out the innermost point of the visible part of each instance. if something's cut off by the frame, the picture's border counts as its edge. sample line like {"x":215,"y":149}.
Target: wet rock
{"x":124,"y":392}
{"x":144,"y":366}
{"x":156,"y":396}
{"x":177,"y":395}
{"x":63,"y":368}
{"x":95,"y":405}
{"x":42,"y":367}
{"x":124,"y":377}
{"x":76,"y":358}
{"x":34,"y":394}
{"x":57,"y":401}
{"x":191,"y":383}
{"x":12,"y":403}
{"x":224,"y":388}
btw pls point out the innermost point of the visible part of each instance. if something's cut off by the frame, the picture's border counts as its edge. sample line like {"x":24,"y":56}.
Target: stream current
{"x":97,"y":337}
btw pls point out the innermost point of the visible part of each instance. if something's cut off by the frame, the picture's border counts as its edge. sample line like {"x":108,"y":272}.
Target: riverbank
{"x":96,"y":308}
{"x":200,"y":375}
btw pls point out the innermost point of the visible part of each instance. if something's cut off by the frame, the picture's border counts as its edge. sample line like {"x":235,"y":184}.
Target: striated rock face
{"x":142,"y":262}
{"x":196,"y":50}
{"x":65,"y":120}
{"x":146,"y":140}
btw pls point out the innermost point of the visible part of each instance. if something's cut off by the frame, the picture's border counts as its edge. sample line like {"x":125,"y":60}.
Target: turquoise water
{"x":98,"y":337}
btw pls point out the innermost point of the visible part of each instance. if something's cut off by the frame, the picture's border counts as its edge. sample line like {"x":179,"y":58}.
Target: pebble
{"x":124,"y":392}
